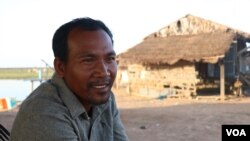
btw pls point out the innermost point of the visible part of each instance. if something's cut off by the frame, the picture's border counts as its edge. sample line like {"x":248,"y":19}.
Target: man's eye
{"x":87,"y":60}
{"x":111,"y":59}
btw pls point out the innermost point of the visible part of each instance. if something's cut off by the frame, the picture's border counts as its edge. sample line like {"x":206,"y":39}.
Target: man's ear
{"x":59,"y":67}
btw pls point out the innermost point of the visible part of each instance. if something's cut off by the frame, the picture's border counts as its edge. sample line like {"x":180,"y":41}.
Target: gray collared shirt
{"x":53,"y":113}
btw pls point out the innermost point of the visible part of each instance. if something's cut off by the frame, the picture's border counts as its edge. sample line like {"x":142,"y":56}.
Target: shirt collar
{"x":69,"y":99}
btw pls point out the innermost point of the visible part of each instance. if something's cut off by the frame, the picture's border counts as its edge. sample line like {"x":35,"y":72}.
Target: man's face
{"x":91,"y":67}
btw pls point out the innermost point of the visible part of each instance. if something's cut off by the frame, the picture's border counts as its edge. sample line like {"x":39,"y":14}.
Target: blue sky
{"x":27,"y":26}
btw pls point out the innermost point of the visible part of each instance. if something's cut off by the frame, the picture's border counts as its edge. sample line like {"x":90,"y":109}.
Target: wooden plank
{"x":222,"y":80}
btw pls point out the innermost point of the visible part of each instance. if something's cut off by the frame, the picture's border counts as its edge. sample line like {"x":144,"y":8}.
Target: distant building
{"x":184,"y":58}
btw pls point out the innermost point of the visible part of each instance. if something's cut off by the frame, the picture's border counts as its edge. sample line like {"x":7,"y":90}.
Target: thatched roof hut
{"x":195,"y":44}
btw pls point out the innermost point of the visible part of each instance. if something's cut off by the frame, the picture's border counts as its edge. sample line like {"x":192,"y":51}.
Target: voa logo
{"x":236,"y":132}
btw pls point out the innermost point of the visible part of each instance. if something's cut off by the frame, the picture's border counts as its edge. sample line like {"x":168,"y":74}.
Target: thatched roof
{"x":169,"y":50}
{"x":190,"y":38}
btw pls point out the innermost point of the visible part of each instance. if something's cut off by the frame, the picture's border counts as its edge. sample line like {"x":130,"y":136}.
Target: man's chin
{"x":100,"y":102}
{"x":102,"y":99}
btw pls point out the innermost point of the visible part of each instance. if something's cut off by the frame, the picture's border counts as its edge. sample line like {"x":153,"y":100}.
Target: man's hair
{"x":60,"y":38}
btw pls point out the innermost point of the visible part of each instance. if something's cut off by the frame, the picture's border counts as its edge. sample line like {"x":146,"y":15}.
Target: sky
{"x":27,"y":26}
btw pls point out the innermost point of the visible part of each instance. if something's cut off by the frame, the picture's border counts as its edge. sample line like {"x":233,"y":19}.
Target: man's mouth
{"x":100,"y":86}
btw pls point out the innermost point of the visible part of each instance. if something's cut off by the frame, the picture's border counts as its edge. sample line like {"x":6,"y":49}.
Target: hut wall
{"x":162,"y":80}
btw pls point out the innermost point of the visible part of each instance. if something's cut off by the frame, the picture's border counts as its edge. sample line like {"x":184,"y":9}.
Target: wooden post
{"x":222,"y":80}
{"x":32,"y":85}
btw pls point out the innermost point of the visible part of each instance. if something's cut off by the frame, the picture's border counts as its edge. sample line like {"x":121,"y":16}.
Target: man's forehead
{"x":89,"y":37}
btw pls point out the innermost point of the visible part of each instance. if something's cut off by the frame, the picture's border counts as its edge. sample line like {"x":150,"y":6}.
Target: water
{"x":18,"y":89}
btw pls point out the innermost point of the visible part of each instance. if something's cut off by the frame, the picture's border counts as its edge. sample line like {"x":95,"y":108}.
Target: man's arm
{"x":42,"y":127}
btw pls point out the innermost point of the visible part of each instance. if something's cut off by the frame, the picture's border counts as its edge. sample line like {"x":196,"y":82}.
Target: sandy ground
{"x":180,"y":119}
{"x":172,"y":119}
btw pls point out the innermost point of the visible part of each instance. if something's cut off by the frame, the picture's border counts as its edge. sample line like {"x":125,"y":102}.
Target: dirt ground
{"x":172,"y":119}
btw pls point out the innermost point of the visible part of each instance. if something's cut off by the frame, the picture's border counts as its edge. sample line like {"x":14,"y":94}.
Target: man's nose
{"x":102,"y":69}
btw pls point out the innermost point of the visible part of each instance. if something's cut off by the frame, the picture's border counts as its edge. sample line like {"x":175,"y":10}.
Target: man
{"x":77,"y":103}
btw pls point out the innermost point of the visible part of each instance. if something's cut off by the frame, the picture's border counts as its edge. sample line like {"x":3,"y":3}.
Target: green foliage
{"x":25,"y":73}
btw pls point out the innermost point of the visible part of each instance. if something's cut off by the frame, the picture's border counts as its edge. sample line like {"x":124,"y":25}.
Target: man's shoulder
{"x":43,"y":99}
